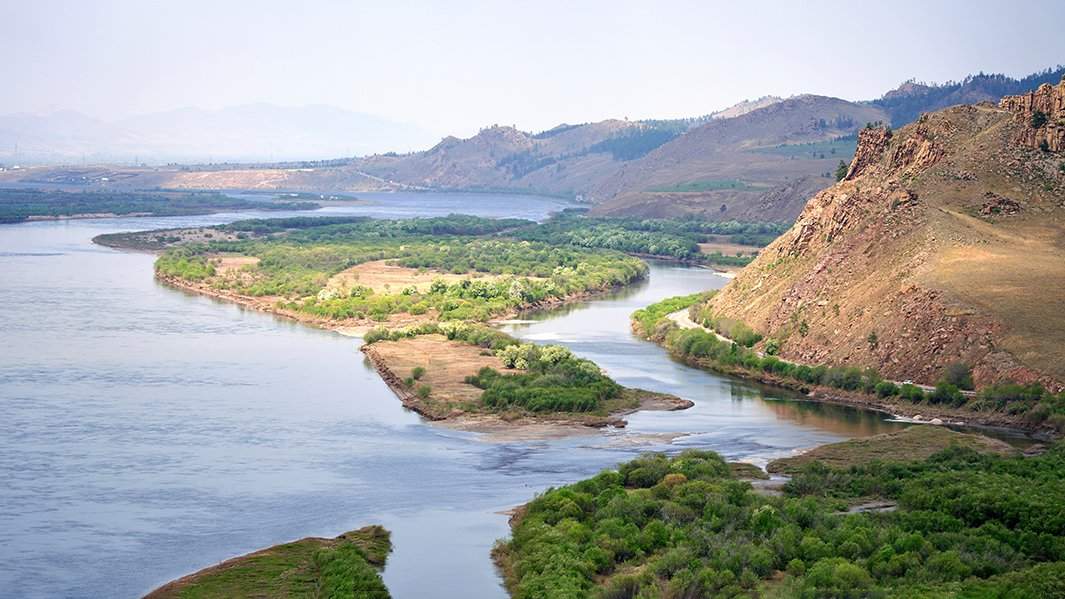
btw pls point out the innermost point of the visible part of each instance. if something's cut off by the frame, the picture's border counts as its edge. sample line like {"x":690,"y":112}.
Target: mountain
{"x":945,"y":242}
{"x":254,"y":132}
{"x":905,"y":103}
{"x":761,"y":165}
{"x":745,"y":106}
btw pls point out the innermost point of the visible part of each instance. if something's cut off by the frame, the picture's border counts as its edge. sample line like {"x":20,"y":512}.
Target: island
{"x":346,"y":566}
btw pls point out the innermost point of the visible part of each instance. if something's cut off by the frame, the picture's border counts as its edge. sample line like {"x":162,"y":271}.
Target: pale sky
{"x":454,"y":66}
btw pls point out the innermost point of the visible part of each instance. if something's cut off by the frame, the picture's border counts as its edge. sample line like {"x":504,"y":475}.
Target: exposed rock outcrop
{"x":1043,"y":111}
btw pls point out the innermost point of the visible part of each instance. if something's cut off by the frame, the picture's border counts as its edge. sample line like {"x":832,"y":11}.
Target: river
{"x":147,"y":433}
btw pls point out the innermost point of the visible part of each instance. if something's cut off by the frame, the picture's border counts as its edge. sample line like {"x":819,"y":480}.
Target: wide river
{"x":146,"y":433}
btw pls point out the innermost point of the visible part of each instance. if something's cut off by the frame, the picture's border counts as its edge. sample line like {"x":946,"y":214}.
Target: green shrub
{"x":417,"y":373}
{"x":1039,"y":119}
{"x":424,"y":391}
{"x":960,"y":375}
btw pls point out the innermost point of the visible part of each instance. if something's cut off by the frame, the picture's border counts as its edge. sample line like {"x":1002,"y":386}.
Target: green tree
{"x":841,"y":170}
{"x":960,"y":375}
{"x":1039,"y":118}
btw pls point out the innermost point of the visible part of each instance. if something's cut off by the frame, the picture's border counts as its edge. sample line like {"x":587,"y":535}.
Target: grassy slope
{"x":301,"y":568}
{"x":911,"y":444}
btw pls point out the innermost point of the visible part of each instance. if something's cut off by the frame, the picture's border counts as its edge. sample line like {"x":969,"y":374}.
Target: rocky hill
{"x":945,"y":242}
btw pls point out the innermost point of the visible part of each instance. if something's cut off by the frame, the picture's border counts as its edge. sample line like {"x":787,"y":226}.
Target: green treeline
{"x":17,"y":205}
{"x":673,"y":238}
{"x":967,"y":525}
{"x":1032,"y":402}
{"x":536,"y":379}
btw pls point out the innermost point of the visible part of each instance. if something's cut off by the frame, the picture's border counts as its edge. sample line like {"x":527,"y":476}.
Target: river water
{"x":146,"y":433}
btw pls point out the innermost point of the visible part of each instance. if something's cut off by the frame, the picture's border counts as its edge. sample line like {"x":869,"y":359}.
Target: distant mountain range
{"x":758,"y":160}
{"x":250,"y":133}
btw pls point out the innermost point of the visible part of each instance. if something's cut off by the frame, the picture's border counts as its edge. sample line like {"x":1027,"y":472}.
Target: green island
{"x":479,"y":375}
{"x":958,"y":517}
{"x":363,"y":271}
{"x":727,"y":345}
{"x":18,"y":205}
{"x":726,"y":243}
{"x":347,"y":566}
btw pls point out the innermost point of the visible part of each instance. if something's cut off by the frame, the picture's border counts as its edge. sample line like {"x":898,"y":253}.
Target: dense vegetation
{"x":1033,"y":403}
{"x":967,"y":525}
{"x":673,"y":238}
{"x":537,"y":379}
{"x":17,"y":205}
{"x":636,"y":142}
{"x":297,"y":257}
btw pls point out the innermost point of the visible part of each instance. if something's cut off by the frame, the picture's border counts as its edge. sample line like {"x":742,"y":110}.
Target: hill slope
{"x":761,"y":165}
{"x":945,"y":242}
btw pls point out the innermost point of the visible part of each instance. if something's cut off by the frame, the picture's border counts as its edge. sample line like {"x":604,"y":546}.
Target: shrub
{"x":911,"y":393}
{"x":424,"y":391}
{"x":946,"y":393}
{"x":1039,"y":118}
{"x":960,"y":375}
{"x":886,"y":389}
{"x":417,"y":373}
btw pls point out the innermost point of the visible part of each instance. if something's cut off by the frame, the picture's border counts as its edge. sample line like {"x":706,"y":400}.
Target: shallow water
{"x":147,"y":432}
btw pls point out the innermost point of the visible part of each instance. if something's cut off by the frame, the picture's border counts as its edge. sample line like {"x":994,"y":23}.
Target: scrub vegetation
{"x":17,"y":205}
{"x":1030,"y":404}
{"x":958,"y":524}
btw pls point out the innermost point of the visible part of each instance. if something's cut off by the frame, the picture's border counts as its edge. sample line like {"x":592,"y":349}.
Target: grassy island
{"x":456,"y":370}
{"x":347,"y":566}
{"x":961,"y":523}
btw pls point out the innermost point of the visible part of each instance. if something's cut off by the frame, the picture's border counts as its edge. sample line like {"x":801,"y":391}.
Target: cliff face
{"x":942,"y":244}
{"x":1048,"y":101}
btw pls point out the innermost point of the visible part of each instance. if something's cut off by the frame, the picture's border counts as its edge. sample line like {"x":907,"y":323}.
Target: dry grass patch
{"x":908,"y":445}
{"x":446,"y":363}
{"x":727,"y":249}
{"x":383,"y":276}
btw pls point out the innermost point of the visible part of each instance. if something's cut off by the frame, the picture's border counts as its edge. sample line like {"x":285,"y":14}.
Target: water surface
{"x":147,"y":433}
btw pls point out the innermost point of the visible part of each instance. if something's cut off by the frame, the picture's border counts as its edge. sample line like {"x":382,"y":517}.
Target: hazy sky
{"x":454,"y":66}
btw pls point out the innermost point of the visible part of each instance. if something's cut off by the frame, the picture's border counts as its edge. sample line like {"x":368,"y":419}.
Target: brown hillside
{"x":946,"y":240}
{"x":736,"y":149}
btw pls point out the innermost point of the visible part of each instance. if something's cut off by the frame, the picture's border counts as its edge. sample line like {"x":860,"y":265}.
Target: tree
{"x":841,"y":170}
{"x":1039,"y":118}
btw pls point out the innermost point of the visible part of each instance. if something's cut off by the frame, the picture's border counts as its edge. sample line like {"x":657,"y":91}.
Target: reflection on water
{"x":148,"y":433}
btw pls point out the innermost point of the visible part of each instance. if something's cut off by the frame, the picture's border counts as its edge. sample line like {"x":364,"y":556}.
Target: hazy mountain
{"x":906,"y":102}
{"x":254,"y":132}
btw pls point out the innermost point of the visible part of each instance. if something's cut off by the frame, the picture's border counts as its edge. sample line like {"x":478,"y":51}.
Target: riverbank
{"x":668,"y":324}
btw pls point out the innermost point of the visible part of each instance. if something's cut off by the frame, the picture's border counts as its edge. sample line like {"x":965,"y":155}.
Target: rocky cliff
{"x":945,"y":242}
{"x":1043,"y":110}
